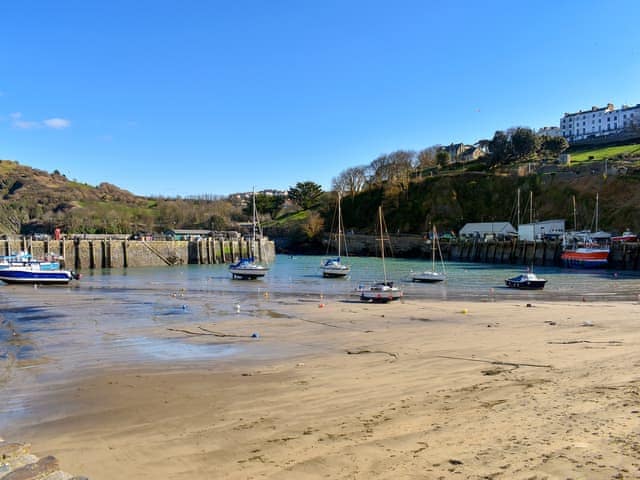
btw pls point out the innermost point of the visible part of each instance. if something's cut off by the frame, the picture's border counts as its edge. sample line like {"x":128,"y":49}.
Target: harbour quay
{"x":91,"y":253}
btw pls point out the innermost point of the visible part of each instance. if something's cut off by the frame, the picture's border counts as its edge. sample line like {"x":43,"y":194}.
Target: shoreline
{"x":369,"y":391}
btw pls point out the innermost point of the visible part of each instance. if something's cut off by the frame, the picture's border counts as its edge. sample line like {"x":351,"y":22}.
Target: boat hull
{"x":380,"y":293}
{"x":526,"y":285}
{"x":428,"y":277}
{"x":248,"y":273}
{"x":586,"y":258}
{"x":13,"y":276}
{"x":335,"y":271}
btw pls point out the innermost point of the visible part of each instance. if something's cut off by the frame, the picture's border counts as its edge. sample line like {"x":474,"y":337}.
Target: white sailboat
{"x":383,"y":291}
{"x":433,"y":275}
{"x":333,"y":267}
{"x":247,"y":268}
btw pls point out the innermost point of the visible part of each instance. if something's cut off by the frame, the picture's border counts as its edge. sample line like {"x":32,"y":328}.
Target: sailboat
{"x":333,"y":267}
{"x":585,"y":251}
{"x":433,"y":275}
{"x":247,"y":268}
{"x":383,"y":291}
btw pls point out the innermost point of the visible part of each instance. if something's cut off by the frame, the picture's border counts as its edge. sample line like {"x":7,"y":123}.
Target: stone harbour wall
{"x":624,"y":256}
{"x":80,"y":254}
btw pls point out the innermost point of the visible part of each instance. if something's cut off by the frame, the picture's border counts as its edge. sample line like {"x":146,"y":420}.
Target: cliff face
{"x":451,"y":201}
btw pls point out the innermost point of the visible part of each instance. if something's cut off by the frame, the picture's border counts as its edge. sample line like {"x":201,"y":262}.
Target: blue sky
{"x":211,"y":97}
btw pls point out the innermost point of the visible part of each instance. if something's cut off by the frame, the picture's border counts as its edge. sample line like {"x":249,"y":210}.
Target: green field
{"x":605,"y":152}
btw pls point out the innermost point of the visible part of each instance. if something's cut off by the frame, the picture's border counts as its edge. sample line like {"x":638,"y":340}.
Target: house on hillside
{"x":549,"y":132}
{"x":488,"y":231}
{"x":461,"y":153}
{"x":600,"y":122}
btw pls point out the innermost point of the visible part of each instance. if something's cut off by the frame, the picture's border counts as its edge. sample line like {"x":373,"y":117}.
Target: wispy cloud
{"x":57,"y":123}
{"x":17,"y":121}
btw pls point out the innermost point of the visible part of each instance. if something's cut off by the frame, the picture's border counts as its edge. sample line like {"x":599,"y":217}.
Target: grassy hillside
{"x":602,"y":153}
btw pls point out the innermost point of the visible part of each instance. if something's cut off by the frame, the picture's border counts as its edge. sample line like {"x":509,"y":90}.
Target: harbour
{"x":80,"y":254}
{"x":201,"y":356}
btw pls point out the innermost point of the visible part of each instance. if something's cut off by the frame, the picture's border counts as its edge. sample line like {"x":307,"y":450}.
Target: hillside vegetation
{"x":37,"y":201}
{"x":449,"y":196}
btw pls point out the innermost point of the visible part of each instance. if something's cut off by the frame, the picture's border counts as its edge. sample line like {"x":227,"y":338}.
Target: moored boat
{"x":586,"y":257}
{"x":627,"y":236}
{"x":333,"y":267}
{"x":586,"y":249}
{"x":247,"y":268}
{"x":23,"y":269}
{"x":433,"y":275}
{"x":382,"y":291}
{"x":526,"y":281}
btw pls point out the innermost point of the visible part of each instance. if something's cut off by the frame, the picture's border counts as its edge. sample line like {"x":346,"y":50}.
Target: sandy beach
{"x":415,"y":389}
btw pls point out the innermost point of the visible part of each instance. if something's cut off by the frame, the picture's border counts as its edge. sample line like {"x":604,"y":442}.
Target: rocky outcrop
{"x":18,"y":463}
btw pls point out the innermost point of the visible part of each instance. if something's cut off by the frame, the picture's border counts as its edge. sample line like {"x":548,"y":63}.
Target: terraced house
{"x":600,"y":122}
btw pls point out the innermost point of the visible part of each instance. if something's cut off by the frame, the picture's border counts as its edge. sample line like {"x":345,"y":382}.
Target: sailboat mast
{"x":518,"y":214}
{"x":253,"y":221}
{"x":339,"y":223}
{"x":575,"y":217}
{"x":433,"y":249}
{"x":384,"y":267}
{"x":531,"y":208}
{"x":597,"y":199}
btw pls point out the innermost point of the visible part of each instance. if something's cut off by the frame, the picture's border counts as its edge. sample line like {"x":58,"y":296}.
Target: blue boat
{"x":23,"y":269}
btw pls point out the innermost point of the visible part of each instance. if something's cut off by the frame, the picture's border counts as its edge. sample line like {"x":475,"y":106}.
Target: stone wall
{"x":625,"y":256}
{"x":81,"y":254}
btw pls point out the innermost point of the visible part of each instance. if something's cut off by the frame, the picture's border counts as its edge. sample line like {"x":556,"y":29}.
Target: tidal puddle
{"x":176,"y":350}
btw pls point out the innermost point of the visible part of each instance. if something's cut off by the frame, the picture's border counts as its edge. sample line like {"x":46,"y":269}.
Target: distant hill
{"x":34,"y":200}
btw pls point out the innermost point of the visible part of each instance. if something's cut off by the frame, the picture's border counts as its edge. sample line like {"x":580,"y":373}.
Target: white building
{"x":599,"y":122}
{"x":541,"y":230}
{"x":550,"y":131}
{"x":488,"y":230}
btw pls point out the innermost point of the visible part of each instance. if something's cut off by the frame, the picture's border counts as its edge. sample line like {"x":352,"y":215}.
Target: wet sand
{"x":418,"y":389}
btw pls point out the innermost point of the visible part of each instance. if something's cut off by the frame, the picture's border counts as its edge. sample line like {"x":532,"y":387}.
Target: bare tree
{"x":351,"y":181}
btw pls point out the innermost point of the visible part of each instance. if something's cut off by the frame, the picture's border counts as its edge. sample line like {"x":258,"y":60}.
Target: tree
{"x":525,"y":143}
{"x":305,"y":194}
{"x":270,"y":204}
{"x":554,"y":145}
{"x":500,"y":148}
{"x":400,"y":168}
{"x":380,"y":170}
{"x":351,"y":181}
{"x":442,"y":158}
{"x":427,"y":157}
